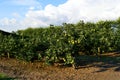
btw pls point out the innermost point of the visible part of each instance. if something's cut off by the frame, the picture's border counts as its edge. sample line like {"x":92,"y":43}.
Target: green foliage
{"x":61,"y":43}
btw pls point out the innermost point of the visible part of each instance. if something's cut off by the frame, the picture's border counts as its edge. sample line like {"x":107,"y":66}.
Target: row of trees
{"x":62,"y":43}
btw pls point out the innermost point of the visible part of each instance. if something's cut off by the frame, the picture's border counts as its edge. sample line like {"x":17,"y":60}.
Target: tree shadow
{"x":103,"y":62}
{"x":117,"y":69}
{"x":101,"y":70}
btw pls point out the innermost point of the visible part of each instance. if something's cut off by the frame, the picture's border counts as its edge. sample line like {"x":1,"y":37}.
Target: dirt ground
{"x":39,"y":71}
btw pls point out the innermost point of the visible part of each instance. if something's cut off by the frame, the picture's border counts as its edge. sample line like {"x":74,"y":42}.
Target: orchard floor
{"x":100,"y":70}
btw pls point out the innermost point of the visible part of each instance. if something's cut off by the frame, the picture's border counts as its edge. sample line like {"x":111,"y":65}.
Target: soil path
{"x":38,"y":71}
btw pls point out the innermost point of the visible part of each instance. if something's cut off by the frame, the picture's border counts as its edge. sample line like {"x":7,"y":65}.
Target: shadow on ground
{"x":104,"y":62}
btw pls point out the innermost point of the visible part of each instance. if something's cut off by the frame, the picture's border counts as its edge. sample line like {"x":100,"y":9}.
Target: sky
{"x":21,"y":14}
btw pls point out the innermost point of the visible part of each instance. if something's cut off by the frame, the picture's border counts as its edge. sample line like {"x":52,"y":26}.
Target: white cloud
{"x":72,"y":11}
{"x":75,"y":10}
{"x":8,"y":24}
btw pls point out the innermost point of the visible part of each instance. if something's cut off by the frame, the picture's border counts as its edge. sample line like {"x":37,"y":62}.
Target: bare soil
{"x":39,"y":71}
